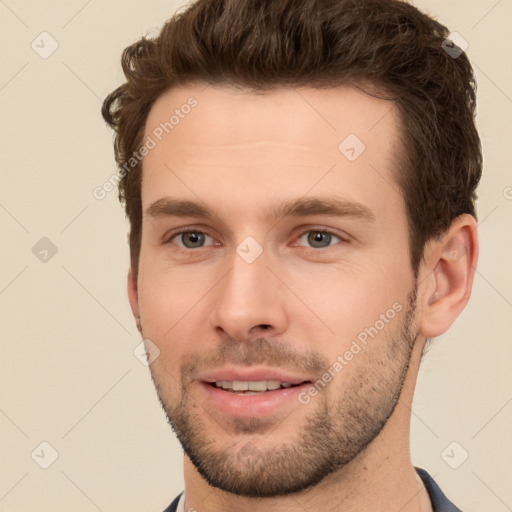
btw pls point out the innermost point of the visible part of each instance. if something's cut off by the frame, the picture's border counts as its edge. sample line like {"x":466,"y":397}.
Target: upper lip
{"x":252,"y":374}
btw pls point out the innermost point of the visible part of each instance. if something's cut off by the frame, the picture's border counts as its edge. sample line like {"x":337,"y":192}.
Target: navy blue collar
{"x":440,"y":502}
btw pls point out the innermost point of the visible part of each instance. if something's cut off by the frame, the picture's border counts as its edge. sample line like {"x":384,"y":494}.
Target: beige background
{"x":68,"y":373}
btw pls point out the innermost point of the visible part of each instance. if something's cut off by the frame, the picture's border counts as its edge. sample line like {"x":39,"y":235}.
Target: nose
{"x":249,"y":301}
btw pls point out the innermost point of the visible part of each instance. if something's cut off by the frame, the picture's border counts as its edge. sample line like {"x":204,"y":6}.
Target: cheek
{"x":172,"y":300}
{"x":161,"y":303}
{"x":343,"y":300}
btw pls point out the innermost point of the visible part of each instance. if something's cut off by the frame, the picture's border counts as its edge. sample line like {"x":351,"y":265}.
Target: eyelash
{"x":170,"y":238}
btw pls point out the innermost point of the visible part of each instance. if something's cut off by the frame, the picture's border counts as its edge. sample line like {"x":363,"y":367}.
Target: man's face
{"x":274,"y":248}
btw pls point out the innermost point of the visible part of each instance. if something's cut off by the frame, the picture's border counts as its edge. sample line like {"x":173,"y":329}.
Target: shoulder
{"x":172,"y":507}
{"x":440,"y":502}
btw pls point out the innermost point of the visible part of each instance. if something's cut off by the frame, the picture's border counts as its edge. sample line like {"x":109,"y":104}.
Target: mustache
{"x":260,"y":351}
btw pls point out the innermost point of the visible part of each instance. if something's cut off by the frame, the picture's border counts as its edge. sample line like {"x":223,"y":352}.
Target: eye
{"x":318,"y":239}
{"x":191,"y":239}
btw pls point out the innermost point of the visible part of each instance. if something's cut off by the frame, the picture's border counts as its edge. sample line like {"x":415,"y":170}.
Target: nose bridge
{"x":249,"y":296}
{"x":248,"y":280}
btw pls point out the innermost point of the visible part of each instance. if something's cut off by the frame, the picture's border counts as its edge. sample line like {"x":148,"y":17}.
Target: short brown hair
{"x":388,"y":46}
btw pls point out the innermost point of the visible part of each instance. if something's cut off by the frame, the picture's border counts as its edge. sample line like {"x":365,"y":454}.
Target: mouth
{"x":252,"y":392}
{"x":258,"y":387}
{"x":253,"y":396}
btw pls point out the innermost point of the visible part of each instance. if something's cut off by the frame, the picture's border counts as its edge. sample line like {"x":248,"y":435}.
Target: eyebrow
{"x":301,"y":207}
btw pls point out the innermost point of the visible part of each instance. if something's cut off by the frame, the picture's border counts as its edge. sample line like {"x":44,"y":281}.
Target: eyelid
{"x":342,"y":236}
{"x":171,"y":235}
{"x":299,"y":232}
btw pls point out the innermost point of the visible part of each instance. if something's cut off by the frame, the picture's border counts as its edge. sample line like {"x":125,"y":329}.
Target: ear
{"x":133,"y":297}
{"x":447,"y":276}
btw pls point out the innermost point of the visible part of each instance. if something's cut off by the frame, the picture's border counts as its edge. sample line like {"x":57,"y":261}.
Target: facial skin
{"x":299,"y":305}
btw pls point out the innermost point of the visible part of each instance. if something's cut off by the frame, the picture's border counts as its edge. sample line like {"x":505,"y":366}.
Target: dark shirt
{"x":440,"y":502}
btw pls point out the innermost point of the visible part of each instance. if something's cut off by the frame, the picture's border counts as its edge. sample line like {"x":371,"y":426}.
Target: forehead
{"x":332,"y":112}
{"x":285,"y":139}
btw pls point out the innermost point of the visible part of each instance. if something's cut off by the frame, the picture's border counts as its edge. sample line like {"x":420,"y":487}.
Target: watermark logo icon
{"x":249,"y":249}
{"x":249,"y":454}
{"x":44,"y":250}
{"x":454,"y":455}
{"x":351,"y":147}
{"x":454,"y":45}
{"x":146,"y":352}
{"x":44,"y":455}
{"x":44,"y":45}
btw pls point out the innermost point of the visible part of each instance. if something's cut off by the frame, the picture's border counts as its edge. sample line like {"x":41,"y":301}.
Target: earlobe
{"x":133,"y":297}
{"x":452,"y":260}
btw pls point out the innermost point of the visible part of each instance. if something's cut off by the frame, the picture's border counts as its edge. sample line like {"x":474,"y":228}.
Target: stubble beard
{"x":336,"y":431}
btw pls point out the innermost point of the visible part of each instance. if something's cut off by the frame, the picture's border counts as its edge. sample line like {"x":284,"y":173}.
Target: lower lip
{"x":250,"y":406}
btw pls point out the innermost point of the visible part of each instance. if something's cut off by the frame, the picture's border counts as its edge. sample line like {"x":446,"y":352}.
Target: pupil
{"x":193,"y":239}
{"x":319,"y":239}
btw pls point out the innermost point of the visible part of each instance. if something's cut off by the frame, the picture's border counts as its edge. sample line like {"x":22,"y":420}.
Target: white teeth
{"x":260,"y":385}
{"x":237,"y":385}
{"x":257,"y":385}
